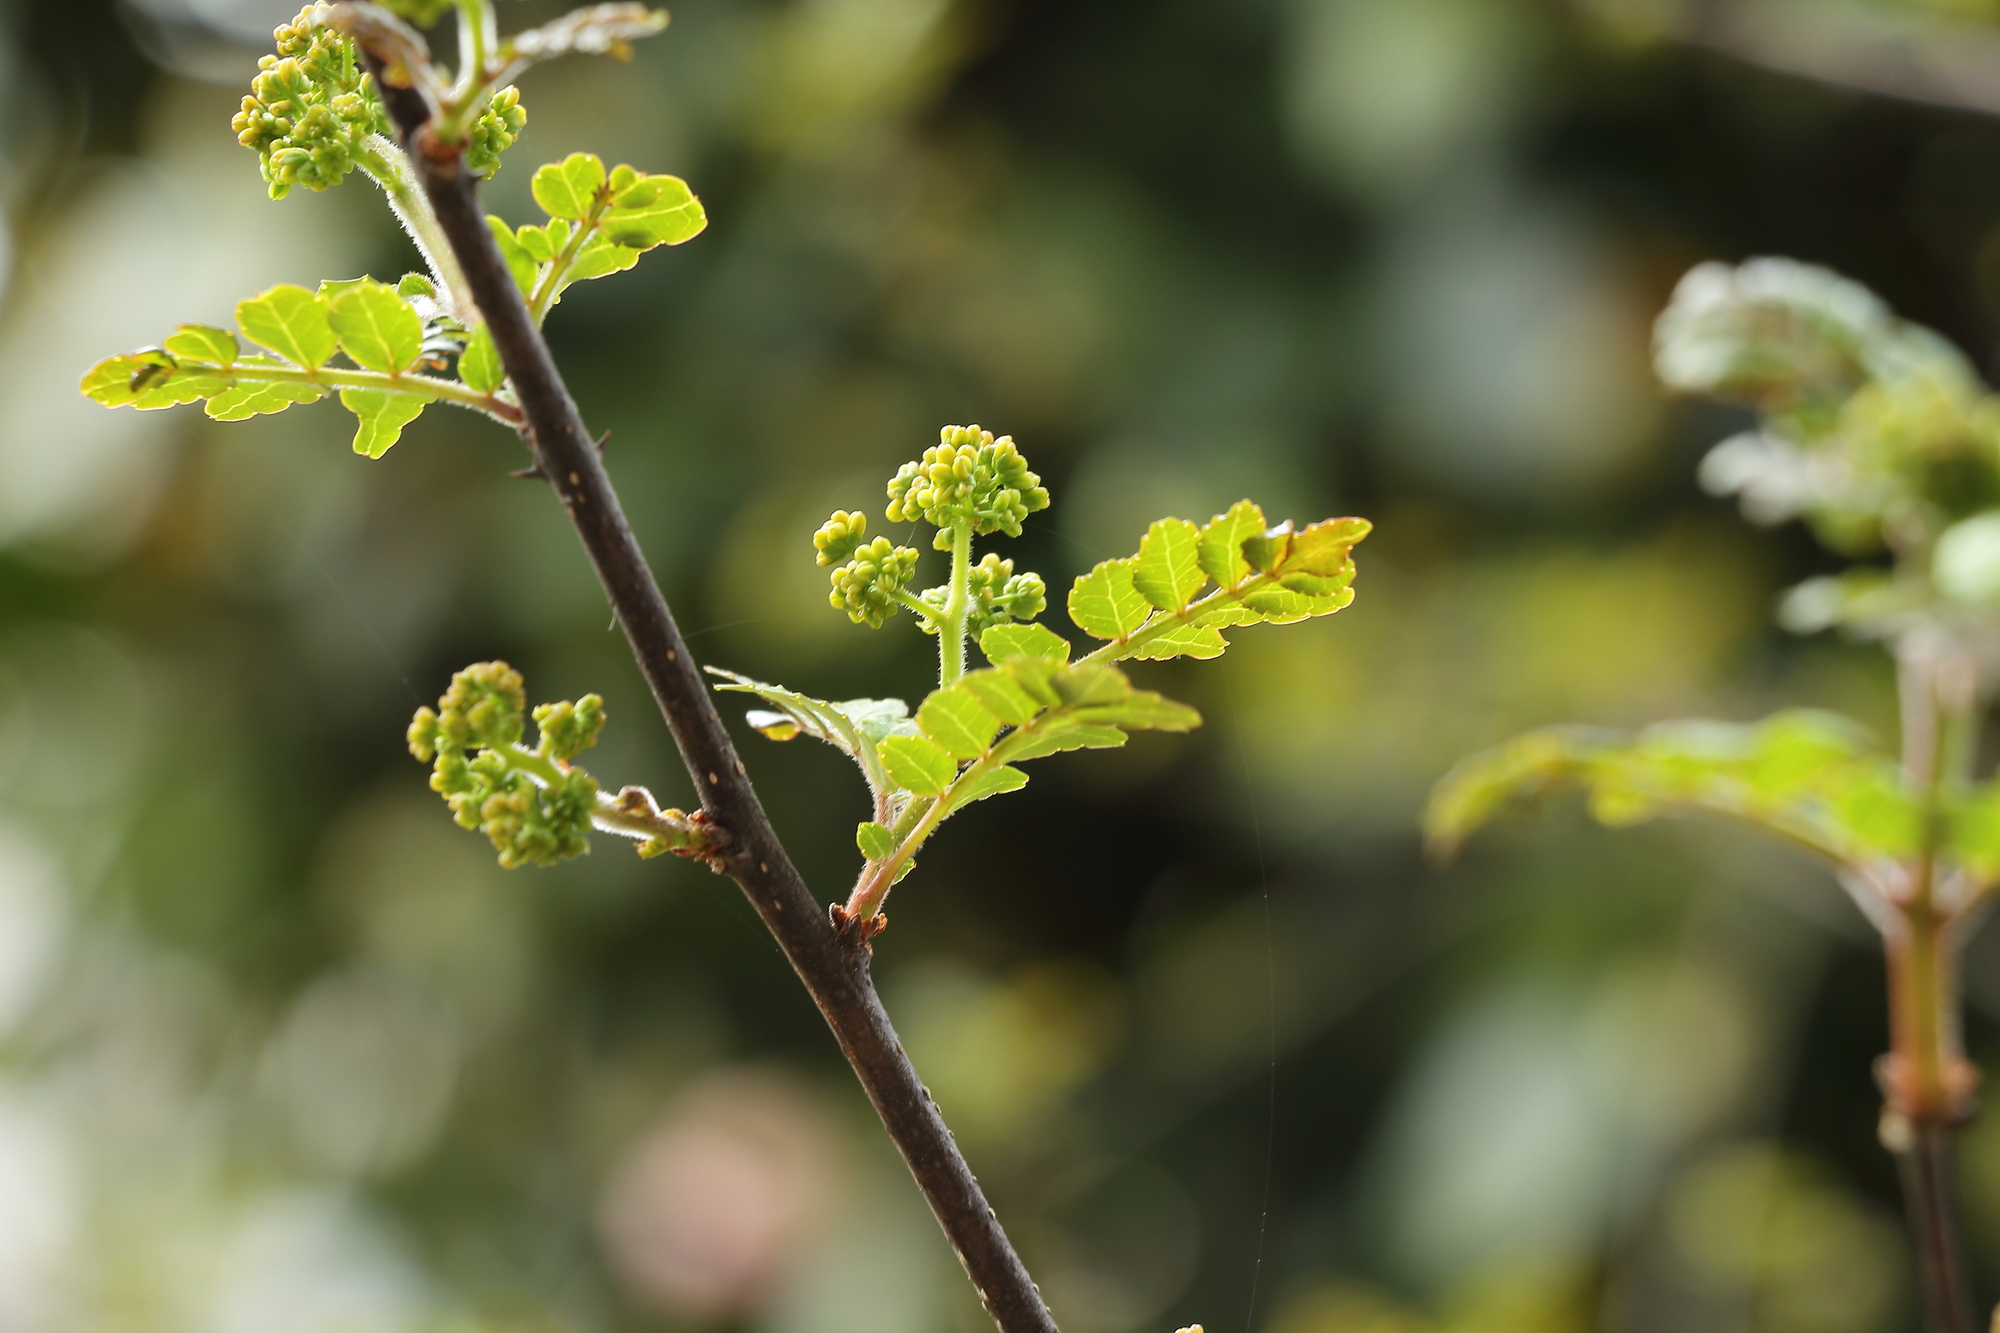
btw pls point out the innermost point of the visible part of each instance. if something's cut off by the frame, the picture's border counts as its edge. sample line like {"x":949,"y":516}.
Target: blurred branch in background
{"x":1943,"y":58}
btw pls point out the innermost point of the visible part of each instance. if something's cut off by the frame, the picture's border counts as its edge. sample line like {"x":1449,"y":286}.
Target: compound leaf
{"x":1168,"y":569}
{"x":519,"y":262}
{"x":291,"y":321}
{"x":918,"y":765}
{"x":243,"y":401}
{"x":1036,"y":641}
{"x":383,"y":416}
{"x":658,"y":210}
{"x":200,"y":342}
{"x":1143,"y":711}
{"x":568,"y":188}
{"x":1199,"y":641}
{"x":993,"y":782}
{"x":1222,"y":537}
{"x":1105,"y":604}
{"x":874,"y":841}
{"x":960,"y":724}
{"x":479,"y":364}
{"x":1001,"y":695}
{"x":1057,"y":736}
{"x":377,"y":328}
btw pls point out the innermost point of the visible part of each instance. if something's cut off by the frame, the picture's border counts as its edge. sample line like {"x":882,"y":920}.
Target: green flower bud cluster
{"x":531,"y":804}
{"x":998,"y":595}
{"x":967,"y":477}
{"x":495,"y":131}
{"x":309,"y":108}
{"x":568,"y":729}
{"x":839,"y":536}
{"x":866,"y":586}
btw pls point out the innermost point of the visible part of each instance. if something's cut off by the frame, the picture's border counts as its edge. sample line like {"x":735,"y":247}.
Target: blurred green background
{"x":282,"y":1051}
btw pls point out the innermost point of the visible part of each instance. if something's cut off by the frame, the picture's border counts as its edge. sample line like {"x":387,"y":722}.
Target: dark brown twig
{"x":835,"y":971}
{"x":1930,"y":1198}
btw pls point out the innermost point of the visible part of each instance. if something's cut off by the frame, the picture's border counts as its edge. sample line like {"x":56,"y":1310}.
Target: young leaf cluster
{"x":535,"y":805}
{"x":312,"y":116}
{"x":1152,"y":605}
{"x":966,"y":740}
{"x":1173,"y":598}
{"x":599,"y":223}
{"x":1875,"y":431}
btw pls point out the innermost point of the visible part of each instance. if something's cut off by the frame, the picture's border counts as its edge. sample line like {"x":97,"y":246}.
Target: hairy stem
{"x":951,"y":624}
{"x":389,"y":167}
{"x":833,"y":965}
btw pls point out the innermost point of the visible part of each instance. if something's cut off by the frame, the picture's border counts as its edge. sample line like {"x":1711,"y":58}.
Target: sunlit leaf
{"x":958,"y":722}
{"x":1082,"y":686}
{"x":918,"y":765}
{"x":199,"y":342}
{"x":519,"y":262}
{"x":1167,"y":571}
{"x":383,"y":416}
{"x":1001,"y":695}
{"x":1037,"y":641}
{"x":1143,"y":710}
{"x":1055,"y":737}
{"x":291,"y":321}
{"x":377,"y":328}
{"x":1105,"y":604}
{"x":659,"y":210}
{"x":875,"y":842}
{"x":1222,"y":537}
{"x":992,"y":782}
{"x":242,"y":401}
{"x":598,"y":257}
{"x":479,"y":364}
{"x":1282,"y":606}
{"x":1198,"y":641}
{"x":567,"y":189}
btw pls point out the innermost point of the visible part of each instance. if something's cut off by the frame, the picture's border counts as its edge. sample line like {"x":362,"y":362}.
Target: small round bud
{"x":423,"y":735}
{"x":866,"y":586}
{"x":568,"y":729}
{"x":838,"y":537}
{"x":495,"y":131}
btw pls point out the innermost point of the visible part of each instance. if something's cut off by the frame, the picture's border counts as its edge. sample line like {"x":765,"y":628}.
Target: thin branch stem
{"x":1928,"y":1166}
{"x":1926,"y":1081}
{"x":834,"y":965}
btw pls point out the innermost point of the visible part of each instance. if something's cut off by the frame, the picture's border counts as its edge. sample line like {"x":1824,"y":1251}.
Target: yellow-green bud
{"x":866,"y":586}
{"x":838,"y":537}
